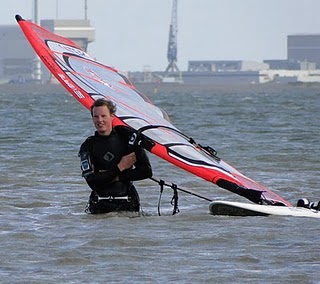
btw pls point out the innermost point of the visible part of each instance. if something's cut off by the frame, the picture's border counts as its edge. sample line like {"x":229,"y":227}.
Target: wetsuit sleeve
{"x":142,"y":168}
{"x":97,"y":180}
{"x":86,"y":159}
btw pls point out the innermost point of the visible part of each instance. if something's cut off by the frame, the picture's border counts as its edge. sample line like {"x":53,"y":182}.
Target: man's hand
{"x":127,"y":161}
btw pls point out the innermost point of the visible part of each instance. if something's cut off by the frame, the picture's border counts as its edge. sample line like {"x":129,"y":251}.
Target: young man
{"x":109,"y":166}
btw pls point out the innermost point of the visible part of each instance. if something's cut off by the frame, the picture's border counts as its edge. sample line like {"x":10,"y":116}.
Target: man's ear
{"x":112,"y":119}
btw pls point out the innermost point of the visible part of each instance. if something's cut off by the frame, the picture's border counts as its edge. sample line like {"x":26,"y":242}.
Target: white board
{"x":230,"y":208}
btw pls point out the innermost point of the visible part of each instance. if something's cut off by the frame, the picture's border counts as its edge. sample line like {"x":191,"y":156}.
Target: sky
{"x":132,"y":35}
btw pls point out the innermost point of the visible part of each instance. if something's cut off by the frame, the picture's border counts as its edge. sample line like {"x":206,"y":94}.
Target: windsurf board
{"x":231,"y":208}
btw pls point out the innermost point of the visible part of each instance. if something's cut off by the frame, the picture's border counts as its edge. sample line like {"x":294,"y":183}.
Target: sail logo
{"x":71,"y":86}
{"x":94,"y":75}
{"x":73,"y":50}
{"x":60,"y":47}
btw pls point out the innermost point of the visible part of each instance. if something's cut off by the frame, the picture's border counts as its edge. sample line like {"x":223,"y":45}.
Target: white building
{"x":18,"y":59}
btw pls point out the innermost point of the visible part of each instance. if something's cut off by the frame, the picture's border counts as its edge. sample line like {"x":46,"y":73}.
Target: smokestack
{"x":37,"y":63}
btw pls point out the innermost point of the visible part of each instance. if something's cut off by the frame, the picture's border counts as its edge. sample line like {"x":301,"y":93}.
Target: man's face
{"x":102,"y":120}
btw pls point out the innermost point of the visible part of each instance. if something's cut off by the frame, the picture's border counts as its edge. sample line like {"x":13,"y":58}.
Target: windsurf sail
{"x":87,"y":80}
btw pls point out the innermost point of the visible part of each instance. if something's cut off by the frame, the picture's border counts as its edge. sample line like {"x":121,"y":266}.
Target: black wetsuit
{"x":100,"y":156}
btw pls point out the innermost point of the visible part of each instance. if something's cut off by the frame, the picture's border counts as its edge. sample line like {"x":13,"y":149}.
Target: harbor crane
{"x":172,"y":44}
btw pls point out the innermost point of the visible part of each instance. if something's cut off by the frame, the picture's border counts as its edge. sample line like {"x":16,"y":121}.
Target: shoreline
{"x":150,"y":89}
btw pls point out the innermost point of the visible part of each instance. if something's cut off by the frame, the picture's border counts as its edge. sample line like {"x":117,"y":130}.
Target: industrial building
{"x":304,"y":48}
{"x":301,"y":65}
{"x":18,"y":60}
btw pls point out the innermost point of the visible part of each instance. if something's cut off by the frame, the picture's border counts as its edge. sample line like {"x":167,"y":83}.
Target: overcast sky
{"x":133,"y":34}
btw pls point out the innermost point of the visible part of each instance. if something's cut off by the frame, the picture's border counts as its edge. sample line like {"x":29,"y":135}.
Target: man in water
{"x":109,"y":164}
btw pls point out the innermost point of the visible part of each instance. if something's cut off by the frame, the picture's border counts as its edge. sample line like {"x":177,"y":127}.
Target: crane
{"x":172,"y":44}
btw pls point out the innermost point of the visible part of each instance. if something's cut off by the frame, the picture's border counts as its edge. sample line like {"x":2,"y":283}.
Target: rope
{"x":161,"y":183}
{"x":175,"y":197}
{"x":174,"y":200}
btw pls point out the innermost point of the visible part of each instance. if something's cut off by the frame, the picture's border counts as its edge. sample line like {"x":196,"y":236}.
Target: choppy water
{"x":271,"y":136}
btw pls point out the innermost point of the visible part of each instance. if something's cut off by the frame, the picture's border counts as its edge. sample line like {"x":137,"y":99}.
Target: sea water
{"x":272,"y":136}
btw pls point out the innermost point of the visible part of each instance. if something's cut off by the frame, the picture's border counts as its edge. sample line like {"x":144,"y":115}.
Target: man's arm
{"x":142,"y":168}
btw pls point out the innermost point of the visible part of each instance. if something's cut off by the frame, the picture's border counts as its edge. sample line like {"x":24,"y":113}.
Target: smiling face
{"x":102,"y":120}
